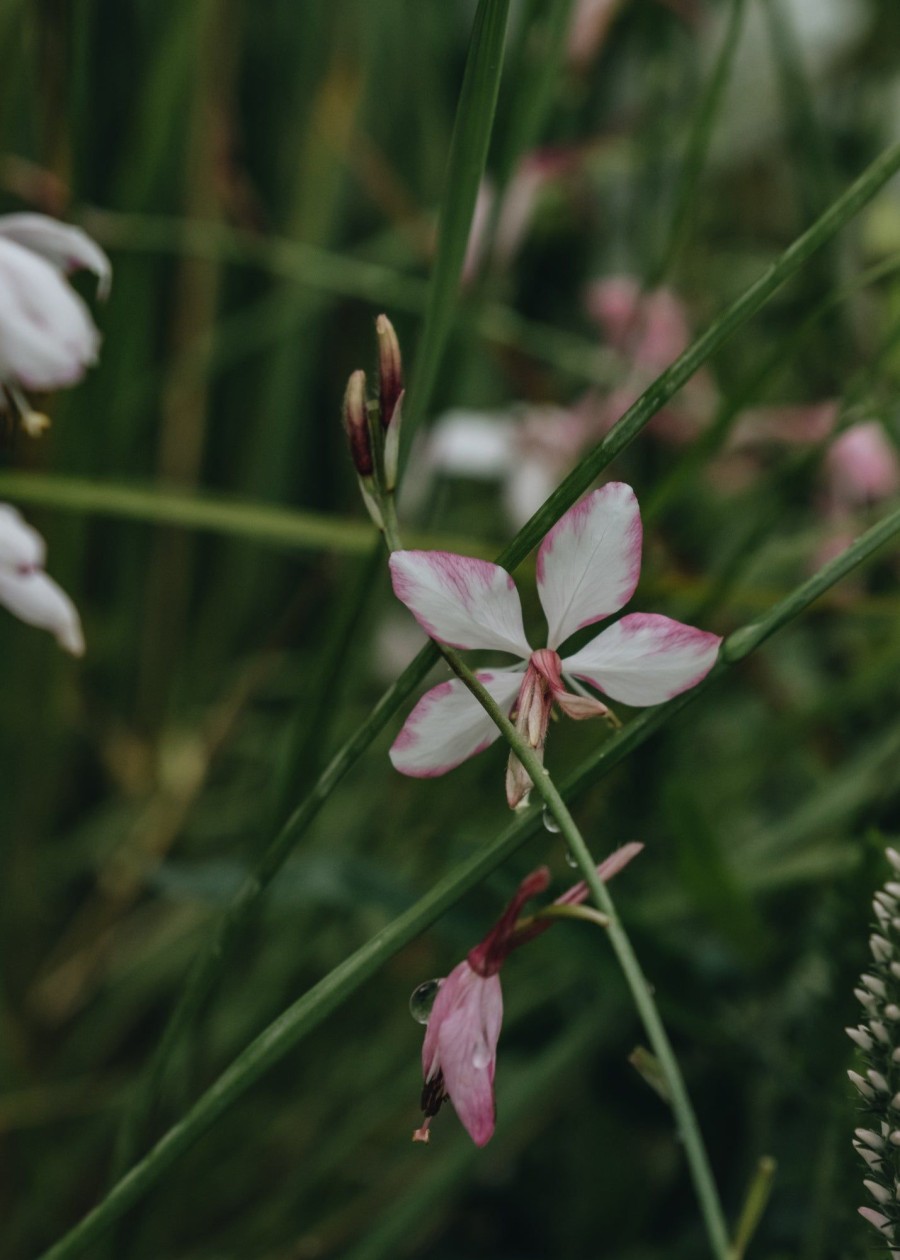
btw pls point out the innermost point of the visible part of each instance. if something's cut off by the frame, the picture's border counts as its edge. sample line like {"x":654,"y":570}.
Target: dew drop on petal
{"x":422,"y":1000}
{"x":550,"y":823}
{"x":481,"y":1056}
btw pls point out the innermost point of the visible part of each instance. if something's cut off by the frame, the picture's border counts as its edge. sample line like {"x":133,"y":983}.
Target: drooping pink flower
{"x":459,"y":1053}
{"x":27,"y":591}
{"x":587,"y":569}
{"x":47,"y":336}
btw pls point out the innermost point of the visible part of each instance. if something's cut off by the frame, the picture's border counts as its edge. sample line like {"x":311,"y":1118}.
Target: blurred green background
{"x":266,"y":180}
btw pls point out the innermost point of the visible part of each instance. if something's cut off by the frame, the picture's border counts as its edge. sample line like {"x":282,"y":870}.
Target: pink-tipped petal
{"x":448,"y":725}
{"x":62,"y":244}
{"x":460,"y":601}
{"x":461,"y":1041}
{"x":589,"y":563}
{"x":609,"y":867}
{"x":645,"y":658}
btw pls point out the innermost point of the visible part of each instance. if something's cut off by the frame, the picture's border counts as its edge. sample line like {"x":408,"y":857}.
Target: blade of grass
{"x":255,"y":522}
{"x":308,"y":1011}
{"x":465,"y":167}
{"x":697,"y":148}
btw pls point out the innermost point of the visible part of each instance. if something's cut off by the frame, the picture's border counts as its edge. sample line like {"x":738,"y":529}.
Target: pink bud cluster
{"x":877,"y":1037}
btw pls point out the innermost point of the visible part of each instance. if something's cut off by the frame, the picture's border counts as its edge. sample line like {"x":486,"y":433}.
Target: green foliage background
{"x":266,"y":179}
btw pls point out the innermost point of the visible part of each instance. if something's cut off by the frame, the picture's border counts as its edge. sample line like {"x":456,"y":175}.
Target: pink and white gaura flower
{"x":27,"y":591}
{"x":47,"y":336}
{"x":587,"y":569}
{"x":459,"y":1054}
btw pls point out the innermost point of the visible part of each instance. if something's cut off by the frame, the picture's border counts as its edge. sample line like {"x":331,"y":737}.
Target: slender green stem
{"x":344,"y":980}
{"x":688,"y":1128}
{"x":695,"y":1151}
{"x":754,"y":1207}
{"x":258,"y":522}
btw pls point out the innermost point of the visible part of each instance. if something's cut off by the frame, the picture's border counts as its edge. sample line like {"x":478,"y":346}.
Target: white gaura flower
{"x":27,"y":591}
{"x":587,"y":569}
{"x":47,"y":336}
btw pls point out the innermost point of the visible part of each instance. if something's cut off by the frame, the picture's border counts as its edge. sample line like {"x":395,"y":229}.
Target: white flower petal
{"x":589,"y":563}
{"x":36,"y":599}
{"x":448,"y":725}
{"x":463,"y":602}
{"x":645,"y":658}
{"x":21,"y":546}
{"x":62,"y":244}
{"x":47,"y":337}
{"x":476,"y":444}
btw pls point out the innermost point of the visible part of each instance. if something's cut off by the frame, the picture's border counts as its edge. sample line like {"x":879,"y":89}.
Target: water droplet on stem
{"x":550,"y":823}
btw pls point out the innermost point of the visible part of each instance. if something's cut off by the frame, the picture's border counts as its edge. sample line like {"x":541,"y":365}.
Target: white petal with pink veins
{"x":463,"y":602}
{"x":589,"y":563}
{"x":645,"y":658}
{"x":36,"y":599}
{"x":62,"y":244}
{"x":448,"y":725}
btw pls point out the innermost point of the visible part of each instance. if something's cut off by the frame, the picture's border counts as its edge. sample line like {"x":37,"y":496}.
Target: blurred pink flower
{"x":528,"y":449}
{"x":587,"y":568}
{"x":588,"y":27}
{"x":861,"y":467}
{"x":533,"y":173}
{"x":649,"y":330}
{"x":459,"y":1054}
{"x":26,"y":590}
{"x":47,"y":336}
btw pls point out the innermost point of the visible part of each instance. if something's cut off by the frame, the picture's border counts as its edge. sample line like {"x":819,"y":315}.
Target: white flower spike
{"x":27,"y":591}
{"x":47,"y":336}
{"x":587,"y":569}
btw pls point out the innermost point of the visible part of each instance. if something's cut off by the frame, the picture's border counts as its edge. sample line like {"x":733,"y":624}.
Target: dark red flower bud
{"x":356,"y":422}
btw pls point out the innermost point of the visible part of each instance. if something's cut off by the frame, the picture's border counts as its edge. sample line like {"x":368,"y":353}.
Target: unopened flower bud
{"x":881,"y":949}
{"x":870,"y":1137}
{"x":860,"y":1037}
{"x":878,"y":1080}
{"x":874,"y":985}
{"x":356,"y":423}
{"x":390,"y":369}
{"x":863,"y":1086}
{"x":869,"y":1157}
{"x":878,"y":1219}
{"x":391,"y":394}
{"x":866,"y":999}
{"x":878,"y":1193}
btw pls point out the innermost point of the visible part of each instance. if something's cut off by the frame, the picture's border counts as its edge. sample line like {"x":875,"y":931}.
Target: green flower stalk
{"x":877,"y":1140}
